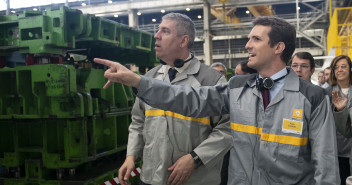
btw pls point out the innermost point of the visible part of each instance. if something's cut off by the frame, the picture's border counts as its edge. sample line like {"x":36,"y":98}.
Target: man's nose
{"x":156,"y":35}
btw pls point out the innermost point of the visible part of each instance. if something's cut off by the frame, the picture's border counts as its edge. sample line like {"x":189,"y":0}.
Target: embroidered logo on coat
{"x":297,"y":113}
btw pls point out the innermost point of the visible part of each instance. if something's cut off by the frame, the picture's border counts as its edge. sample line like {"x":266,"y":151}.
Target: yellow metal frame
{"x":340,"y":32}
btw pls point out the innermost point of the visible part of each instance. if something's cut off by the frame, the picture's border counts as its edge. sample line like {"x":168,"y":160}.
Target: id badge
{"x":291,"y":126}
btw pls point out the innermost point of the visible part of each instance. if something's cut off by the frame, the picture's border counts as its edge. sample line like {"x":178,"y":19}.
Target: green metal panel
{"x":116,"y":98}
{"x":7,"y":143}
{"x":9,"y":40}
{"x":40,"y":91}
{"x":43,"y":91}
{"x":145,"y":41}
{"x":123,"y":123}
{"x":9,"y":31}
{"x":104,"y":30}
{"x":62,"y":143}
{"x":70,"y":141}
{"x":54,"y":118}
{"x":44,"y":145}
{"x":103,"y":136}
{"x":51,"y":32}
{"x":58,"y":143}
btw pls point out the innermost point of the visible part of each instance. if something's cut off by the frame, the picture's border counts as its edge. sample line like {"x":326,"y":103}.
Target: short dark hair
{"x":281,"y":31}
{"x":332,"y":77}
{"x":245,"y":68}
{"x":306,"y":56}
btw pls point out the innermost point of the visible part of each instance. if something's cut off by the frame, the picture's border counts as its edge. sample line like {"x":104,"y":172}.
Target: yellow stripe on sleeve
{"x":175,"y":115}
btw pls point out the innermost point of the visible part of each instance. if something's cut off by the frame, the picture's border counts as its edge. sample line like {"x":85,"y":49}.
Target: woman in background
{"x":341,"y":89}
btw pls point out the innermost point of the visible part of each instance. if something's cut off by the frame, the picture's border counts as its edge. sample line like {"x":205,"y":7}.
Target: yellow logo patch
{"x":297,"y":113}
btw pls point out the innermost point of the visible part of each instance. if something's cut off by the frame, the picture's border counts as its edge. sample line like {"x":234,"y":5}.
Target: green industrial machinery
{"x":57,"y":124}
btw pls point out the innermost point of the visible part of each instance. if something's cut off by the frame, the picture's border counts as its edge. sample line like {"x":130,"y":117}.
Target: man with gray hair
{"x":177,"y":149}
{"x":219,"y":67}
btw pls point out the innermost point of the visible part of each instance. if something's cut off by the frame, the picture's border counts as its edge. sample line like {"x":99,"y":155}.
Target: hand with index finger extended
{"x":118,"y":73}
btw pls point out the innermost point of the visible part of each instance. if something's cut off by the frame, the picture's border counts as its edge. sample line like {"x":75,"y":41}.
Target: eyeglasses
{"x":303,"y":66}
{"x":342,"y":67}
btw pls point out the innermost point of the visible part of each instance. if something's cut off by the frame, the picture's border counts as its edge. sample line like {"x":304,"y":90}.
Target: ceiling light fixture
{"x":84,"y":4}
{"x":199,"y":16}
{"x":247,"y":11}
{"x":116,"y":15}
{"x":162,"y":11}
{"x":153,"y":20}
{"x":109,"y":1}
{"x":188,"y":9}
{"x":139,"y":13}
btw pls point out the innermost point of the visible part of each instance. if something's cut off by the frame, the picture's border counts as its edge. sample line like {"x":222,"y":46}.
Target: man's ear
{"x":312,"y":69}
{"x":280,"y":47}
{"x":185,"y":40}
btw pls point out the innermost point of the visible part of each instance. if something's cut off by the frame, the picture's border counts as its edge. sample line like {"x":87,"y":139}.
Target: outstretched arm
{"x":118,"y":73}
{"x":185,"y":100}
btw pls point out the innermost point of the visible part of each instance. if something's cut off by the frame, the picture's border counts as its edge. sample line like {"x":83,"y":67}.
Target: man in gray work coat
{"x":177,"y":149}
{"x":281,"y":125}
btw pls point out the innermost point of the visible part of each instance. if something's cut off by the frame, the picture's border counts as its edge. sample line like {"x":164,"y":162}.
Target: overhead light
{"x":153,"y":20}
{"x":247,"y":12}
{"x":109,"y":1}
{"x":13,"y":11}
{"x":188,"y":9}
{"x":116,"y":15}
{"x":83,"y":4}
{"x":298,"y":8}
{"x":35,"y":9}
{"x":139,"y":13}
{"x":162,"y":11}
{"x":199,"y":16}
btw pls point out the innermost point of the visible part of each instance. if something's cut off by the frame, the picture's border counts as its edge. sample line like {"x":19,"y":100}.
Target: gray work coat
{"x":292,"y":141}
{"x":343,"y":125}
{"x":161,"y":137}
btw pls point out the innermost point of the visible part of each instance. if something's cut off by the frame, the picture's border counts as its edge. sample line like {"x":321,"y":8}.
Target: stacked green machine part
{"x":57,"y":124}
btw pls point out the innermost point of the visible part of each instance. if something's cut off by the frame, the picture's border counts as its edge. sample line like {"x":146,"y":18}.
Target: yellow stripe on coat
{"x":290,"y":140}
{"x":175,"y":115}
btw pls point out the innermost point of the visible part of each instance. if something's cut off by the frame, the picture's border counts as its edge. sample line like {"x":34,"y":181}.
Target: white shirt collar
{"x":277,"y":75}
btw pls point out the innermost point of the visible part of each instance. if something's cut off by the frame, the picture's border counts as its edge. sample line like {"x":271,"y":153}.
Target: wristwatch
{"x":196,"y":159}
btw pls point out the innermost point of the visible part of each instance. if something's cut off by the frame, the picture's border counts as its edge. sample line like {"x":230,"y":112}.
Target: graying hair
{"x":218,"y":64}
{"x":184,"y":26}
